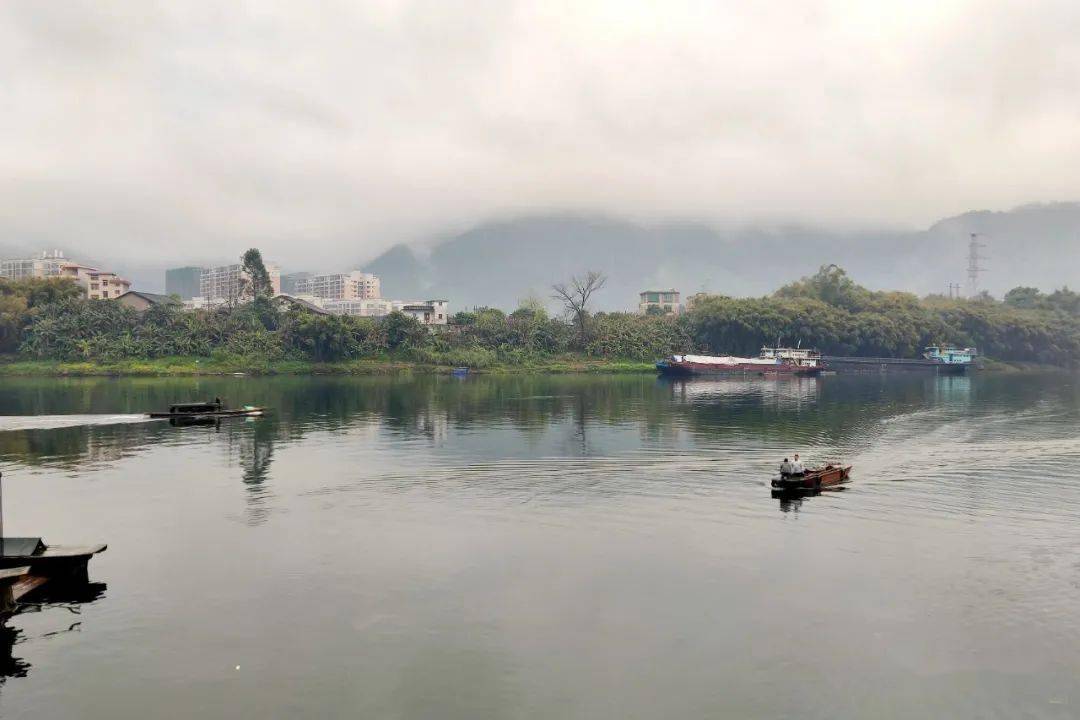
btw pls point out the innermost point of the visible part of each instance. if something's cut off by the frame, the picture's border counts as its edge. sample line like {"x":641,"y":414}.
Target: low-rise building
{"x":98,"y":284}
{"x":428,"y":312}
{"x":311,"y":304}
{"x":667,"y":301}
{"x":355,"y":285}
{"x":142,"y":301}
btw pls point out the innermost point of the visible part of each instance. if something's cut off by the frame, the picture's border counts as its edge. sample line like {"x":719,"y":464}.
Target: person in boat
{"x":785,"y":468}
{"x":797,"y":467}
{"x":217,"y":401}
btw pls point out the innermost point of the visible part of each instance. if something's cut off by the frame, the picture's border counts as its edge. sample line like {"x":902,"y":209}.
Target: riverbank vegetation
{"x":45,"y":328}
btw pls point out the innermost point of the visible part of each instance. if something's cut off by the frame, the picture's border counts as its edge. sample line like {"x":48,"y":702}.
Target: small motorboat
{"x":190,"y":411}
{"x":813,"y":478}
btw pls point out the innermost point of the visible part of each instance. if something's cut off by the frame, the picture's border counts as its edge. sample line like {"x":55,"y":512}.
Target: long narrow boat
{"x":771,"y":361}
{"x":206,"y":410}
{"x":813,"y":479}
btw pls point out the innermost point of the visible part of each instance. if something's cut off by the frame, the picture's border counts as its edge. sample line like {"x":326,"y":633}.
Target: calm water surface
{"x":552,"y":547}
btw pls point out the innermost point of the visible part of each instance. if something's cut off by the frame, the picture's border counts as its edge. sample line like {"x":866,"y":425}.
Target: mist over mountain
{"x":499,"y":263}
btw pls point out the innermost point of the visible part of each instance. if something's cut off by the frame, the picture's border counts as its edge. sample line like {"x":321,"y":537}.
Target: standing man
{"x":797,"y":466}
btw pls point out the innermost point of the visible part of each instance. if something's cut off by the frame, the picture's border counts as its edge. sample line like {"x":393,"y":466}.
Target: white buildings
{"x":45,"y":266}
{"x":97,"y":284}
{"x":355,"y":285}
{"x":428,"y":312}
{"x":226,"y":283}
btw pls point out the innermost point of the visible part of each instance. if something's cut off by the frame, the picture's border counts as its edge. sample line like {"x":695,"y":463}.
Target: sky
{"x":323,"y":132}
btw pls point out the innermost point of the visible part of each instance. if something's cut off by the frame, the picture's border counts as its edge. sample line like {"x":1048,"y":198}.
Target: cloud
{"x":324,"y":132}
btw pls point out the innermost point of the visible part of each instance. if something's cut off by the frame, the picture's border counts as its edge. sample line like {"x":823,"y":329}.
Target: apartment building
{"x":226,"y":283}
{"x":47,"y":265}
{"x":354,"y":285}
{"x":289,"y":280}
{"x":183,"y":282}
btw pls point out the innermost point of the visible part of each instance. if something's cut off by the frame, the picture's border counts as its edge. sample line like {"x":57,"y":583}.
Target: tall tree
{"x":575,"y":295}
{"x":258,"y":279}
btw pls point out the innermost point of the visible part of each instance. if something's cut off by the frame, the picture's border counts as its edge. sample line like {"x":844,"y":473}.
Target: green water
{"x":549,"y":547}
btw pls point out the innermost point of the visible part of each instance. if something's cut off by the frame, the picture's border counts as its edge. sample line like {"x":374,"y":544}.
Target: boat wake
{"x":10,"y":423}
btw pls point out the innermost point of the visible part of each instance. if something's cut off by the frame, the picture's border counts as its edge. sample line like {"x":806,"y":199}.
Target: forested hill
{"x":499,"y":263}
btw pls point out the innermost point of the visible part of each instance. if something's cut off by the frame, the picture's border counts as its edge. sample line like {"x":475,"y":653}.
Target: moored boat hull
{"x":683,"y":368}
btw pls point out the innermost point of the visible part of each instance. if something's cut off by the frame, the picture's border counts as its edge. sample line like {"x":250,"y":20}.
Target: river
{"x":550,"y":547}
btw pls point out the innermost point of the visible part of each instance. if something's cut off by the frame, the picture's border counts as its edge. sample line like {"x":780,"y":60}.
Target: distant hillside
{"x":499,"y":263}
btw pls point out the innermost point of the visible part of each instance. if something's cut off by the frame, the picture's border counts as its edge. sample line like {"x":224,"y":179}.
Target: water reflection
{"x":792,"y":500}
{"x":11,"y":666}
{"x":62,"y":601}
{"x":533,"y":542}
{"x":783,"y":391}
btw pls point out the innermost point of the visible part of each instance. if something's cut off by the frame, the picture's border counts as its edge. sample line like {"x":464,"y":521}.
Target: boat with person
{"x":770,"y":361}
{"x":214,"y":409}
{"x":814,"y":478}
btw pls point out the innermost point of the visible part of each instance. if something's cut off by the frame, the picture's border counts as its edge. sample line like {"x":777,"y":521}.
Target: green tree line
{"x":47,"y":319}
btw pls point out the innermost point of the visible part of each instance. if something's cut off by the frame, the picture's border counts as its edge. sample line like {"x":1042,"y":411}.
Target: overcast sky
{"x":316,"y":130}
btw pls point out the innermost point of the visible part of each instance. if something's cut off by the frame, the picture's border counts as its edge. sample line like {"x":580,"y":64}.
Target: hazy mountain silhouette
{"x":501,"y":262}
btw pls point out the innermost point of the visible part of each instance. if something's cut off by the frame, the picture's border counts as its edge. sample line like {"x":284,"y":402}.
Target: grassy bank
{"x":179,"y":366}
{"x":1016,"y":366}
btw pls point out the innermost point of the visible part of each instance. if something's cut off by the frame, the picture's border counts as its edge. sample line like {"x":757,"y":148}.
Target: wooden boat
{"x":44,"y":563}
{"x":814,"y":478}
{"x":27,"y":563}
{"x":207,"y":410}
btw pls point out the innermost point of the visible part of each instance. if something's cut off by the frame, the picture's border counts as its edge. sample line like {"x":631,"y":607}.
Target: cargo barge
{"x":771,"y":361}
{"x":942,"y":360}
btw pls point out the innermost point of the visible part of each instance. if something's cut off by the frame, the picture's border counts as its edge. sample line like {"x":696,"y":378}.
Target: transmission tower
{"x":973,"y":268}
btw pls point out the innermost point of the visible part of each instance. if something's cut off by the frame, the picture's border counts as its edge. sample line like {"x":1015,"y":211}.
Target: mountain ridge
{"x":499,"y":262}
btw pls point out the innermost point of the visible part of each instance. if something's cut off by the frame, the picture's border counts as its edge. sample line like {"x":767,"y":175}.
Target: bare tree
{"x":575,"y":295}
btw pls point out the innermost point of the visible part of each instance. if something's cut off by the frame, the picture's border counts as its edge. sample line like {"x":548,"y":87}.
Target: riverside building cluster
{"x":97,"y":284}
{"x":351,"y":293}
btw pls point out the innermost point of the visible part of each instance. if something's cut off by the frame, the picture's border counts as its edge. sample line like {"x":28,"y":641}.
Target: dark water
{"x":566,"y":547}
